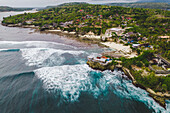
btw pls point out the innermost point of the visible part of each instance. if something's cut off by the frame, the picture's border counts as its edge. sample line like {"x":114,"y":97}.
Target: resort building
{"x":113,"y":31}
{"x":103,"y":60}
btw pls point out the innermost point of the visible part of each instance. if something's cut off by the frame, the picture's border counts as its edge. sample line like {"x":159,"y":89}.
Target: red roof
{"x":129,"y":18}
{"x":104,"y":57}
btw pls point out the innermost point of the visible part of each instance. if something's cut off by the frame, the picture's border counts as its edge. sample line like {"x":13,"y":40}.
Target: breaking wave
{"x":65,"y":74}
{"x":9,"y":50}
{"x":46,"y":56}
{"x":70,"y":80}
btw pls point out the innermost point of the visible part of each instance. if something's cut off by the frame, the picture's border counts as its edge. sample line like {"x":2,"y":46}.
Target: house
{"x":164,"y":37}
{"x":118,"y":31}
{"x":135,"y":45}
{"x":129,"y":18}
{"x":81,"y":10}
{"x":100,"y":59}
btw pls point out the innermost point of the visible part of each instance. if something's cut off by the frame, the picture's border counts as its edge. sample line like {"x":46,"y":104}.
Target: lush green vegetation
{"x":161,"y":46}
{"x":157,"y":83}
{"x":164,"y":6}
{"x":141,"y":60}
{"x":83,"y":18}
{"x":98,"y":18}
{"x":6,"y":8}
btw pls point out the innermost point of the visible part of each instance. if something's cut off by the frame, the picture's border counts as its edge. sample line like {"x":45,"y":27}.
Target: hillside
{"x":97,"y":18}
{"x":155,"y":1}
{"x":164,"y":6}
{"x":66,"y":4}
{"x":6,"y":8}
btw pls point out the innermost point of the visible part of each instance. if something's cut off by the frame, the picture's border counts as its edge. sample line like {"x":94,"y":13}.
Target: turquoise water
{"x":45,"y":73}
{"x":38,"y":79}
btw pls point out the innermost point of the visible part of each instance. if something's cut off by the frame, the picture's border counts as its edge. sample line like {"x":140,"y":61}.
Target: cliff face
{"x":158,"y":97}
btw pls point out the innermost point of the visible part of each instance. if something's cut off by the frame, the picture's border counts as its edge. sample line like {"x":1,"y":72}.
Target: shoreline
{"x":103,"y":44}
{"x":70,"y":35}
{"x":153,"y":94}
{"x":159,"y":97}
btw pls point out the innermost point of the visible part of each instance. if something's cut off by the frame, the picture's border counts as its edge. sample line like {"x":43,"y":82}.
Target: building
{"x":164,"y":37}
{"x":135,"y":45}
{"x":112,"y":31}
{"x":103,"y":60}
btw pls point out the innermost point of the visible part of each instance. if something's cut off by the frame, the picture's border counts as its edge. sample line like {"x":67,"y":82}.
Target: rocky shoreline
{"x":159,"y":97}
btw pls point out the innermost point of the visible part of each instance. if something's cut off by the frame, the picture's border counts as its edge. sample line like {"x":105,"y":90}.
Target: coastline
{"x":97,"y":41}
{"x":70,"y":35}
{"x":159,"y":97}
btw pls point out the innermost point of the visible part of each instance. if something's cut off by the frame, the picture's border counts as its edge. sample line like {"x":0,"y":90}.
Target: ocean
{"x":47,"y":73}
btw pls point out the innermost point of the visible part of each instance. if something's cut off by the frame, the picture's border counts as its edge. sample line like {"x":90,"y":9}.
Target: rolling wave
{"x":71,"y":80}
{"x":46,"y":56}
{"x":65,"y":74}
{"x":9,"y":50}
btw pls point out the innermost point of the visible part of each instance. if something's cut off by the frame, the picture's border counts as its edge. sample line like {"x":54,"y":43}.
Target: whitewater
{"x":63,"y":71}
{"x":46,"y":73}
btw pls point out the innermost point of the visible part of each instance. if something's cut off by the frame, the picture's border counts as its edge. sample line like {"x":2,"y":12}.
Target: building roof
{"x":164,"y":37}
{"x":116,"y":29}
{"x":135,"y":45}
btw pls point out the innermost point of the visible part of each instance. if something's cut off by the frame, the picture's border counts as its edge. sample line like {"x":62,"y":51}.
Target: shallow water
{"x":40,"y":75}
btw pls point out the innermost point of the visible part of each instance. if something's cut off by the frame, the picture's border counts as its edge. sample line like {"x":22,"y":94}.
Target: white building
{"x":118,"y":31}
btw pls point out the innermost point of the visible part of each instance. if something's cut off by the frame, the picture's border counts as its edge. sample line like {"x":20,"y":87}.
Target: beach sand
{"x":118,"y":47}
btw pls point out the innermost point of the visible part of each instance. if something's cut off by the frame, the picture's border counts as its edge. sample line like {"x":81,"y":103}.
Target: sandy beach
{"x":118,"y":47}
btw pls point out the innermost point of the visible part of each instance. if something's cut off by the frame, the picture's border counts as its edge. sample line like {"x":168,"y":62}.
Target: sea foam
{"x":71,"y":80}
{"x":38,"y":56}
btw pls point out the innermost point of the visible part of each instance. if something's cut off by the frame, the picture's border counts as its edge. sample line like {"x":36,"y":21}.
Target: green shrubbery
{"x":141,"y":60}
{"x":111,"y":16}
{"x":157,"y":83}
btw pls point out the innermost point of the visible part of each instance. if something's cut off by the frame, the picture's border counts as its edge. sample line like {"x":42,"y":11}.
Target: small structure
{"x":118,"y":31}
{"x":164,"y":37}
{"x":160,"y":62}
{"x":103,"y":60}
{"x":135,"y":45}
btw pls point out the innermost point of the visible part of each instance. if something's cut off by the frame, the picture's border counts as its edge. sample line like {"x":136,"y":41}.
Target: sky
{"x":43,"y":3}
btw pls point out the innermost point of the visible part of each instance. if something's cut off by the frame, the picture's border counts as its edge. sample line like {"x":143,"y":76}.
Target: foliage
{"x":5,"y":8}
{"x":143,"y":5}
{"x":98,"y":18}
{"x":139,"y":61}
{"x":157,"y":83}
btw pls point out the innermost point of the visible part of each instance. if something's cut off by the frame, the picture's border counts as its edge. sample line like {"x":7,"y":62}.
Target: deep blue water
{"x":41,"y":76}
{"x":38,"y":79}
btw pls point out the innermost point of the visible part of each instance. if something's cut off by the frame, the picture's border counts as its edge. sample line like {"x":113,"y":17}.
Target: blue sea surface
{"x":40,"y":76}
